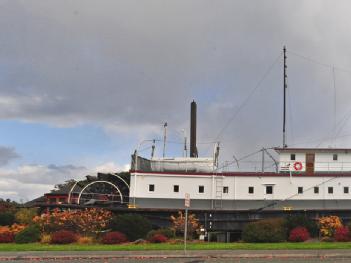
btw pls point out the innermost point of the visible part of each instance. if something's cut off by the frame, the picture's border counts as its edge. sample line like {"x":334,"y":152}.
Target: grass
{"x":166,"y":246}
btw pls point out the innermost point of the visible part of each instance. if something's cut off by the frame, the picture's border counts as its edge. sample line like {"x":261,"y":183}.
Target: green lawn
{"x":190,"y":246}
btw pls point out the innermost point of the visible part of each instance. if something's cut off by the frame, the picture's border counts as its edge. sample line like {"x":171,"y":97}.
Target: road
{"x":242,"y":256}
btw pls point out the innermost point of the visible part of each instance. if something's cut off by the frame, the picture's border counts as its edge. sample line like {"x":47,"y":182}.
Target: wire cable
{"x":315,"y":61}
{"x":243,"y":104}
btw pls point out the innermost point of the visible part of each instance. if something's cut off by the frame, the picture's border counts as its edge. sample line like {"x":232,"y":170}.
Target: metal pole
{"x":135,"y":174}
{"x":262,"y":160}
{"x":284,"y":110}
{"x":153,"y":149}
{"x":185,"y":154}
{"x":164,"y":139}
{"x":185,"y":228}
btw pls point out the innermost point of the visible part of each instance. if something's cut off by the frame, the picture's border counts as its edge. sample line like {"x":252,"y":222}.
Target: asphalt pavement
{"x":193,"y":256}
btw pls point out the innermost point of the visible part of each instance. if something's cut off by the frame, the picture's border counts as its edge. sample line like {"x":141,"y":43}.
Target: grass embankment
{"x":166,"y":246}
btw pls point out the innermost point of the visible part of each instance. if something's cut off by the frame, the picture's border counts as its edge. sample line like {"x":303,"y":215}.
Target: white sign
{"x":187,"y":200}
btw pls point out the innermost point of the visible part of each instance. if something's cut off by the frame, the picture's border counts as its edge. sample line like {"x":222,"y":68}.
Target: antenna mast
{"x":284,"y":110}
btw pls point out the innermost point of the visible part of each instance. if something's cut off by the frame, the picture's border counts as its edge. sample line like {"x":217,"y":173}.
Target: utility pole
{"x":284,"y":110}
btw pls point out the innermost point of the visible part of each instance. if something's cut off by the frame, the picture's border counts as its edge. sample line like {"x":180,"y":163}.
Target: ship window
{"x":151,"y":188}
{"x":269,"y":189}
{"x":330,"y":190}
{"x":316,"y":190}
{"x":251,"y":189}
{"x":176,"y":188}
{"x":293,"y":157}
{"x":346,"y":190}
{"x":300,"y":190}
{"x":335,"y":157}
{"x":225,"y":189}
{"x":201,"y":189}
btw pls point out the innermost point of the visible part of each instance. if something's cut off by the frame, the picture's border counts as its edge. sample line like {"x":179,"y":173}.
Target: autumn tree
{"x":178,"y":224}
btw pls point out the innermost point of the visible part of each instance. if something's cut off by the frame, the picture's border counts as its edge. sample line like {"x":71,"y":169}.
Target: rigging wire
{"x":320,"y":140}
{"x":243,"y":104}
{"x":290,"y":120}
{"x":342,"y":123}
{"x":228,"y":163}
{"x":315,"y":61}
{"x":334,"y":133}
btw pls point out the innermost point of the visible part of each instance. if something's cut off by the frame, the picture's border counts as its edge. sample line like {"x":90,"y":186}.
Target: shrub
{"x":158,"y":238}
{"x":299,"y":234}
{"x":7,"y":206}
{"x":16,"y":228}
{"x":7,"y":219}
{"x":45,"y":239}
{"x":268,"y":230}
{"x":114,"y":238}
{"x":88,"y":221}
{"x":294,"y":221}
{"x":342,"y":234}
{"x":85,"y":240}
{"x":328,"y":225}
{"x":63,"y":237}
{"x":164,"y":231}
{"x":132,"y":225}
{"x":28,"y":235}
{"x":7,"y":237}
{"x":9,"y":232}
{"x":25,"y":215}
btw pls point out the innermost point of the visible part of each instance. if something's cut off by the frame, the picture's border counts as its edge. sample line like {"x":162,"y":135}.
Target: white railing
{"x":335,"y":166}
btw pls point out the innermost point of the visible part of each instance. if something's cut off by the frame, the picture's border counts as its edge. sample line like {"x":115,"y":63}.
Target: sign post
{"x":187,"y":205}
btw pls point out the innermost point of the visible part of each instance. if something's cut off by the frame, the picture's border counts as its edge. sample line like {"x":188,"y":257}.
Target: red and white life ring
{"x":298,"y":166}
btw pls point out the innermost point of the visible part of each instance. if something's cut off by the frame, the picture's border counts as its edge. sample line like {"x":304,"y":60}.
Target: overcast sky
{"x":83,"y":82}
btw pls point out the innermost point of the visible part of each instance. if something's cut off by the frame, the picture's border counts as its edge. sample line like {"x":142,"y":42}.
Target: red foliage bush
{"x":63,"y":237}
{"x":158,"y":238}
{"x":342,"y":234}
{"x":299,"y":234}
{"x":7,"y":237}
{"x":114,"y":238}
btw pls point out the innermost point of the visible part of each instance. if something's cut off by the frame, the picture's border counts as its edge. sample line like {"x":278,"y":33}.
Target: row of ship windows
{"x":293,"y":157}
{"x":251,"y":189}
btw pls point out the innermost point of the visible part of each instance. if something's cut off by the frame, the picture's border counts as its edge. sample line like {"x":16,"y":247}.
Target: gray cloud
{"x":129,"y":65}
{"x":7,"y":154}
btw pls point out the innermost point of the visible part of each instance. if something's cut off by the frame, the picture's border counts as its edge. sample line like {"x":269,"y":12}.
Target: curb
{"x":194,"y":256}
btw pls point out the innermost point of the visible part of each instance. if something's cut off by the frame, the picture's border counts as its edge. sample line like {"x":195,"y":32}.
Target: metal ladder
{"x":218,"y":202}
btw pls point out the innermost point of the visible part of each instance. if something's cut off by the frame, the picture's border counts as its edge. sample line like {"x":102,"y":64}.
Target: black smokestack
{"x":193,"y":148}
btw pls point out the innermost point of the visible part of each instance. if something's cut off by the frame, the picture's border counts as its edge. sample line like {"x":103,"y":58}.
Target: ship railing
{"x":336,"y":166}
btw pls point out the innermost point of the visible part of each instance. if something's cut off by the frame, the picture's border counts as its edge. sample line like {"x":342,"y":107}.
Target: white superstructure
{"x":315,"y":160}
{"x":307,"y":179}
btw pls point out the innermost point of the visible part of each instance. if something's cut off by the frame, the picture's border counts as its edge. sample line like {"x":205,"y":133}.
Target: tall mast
{"x":284,"y":110}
